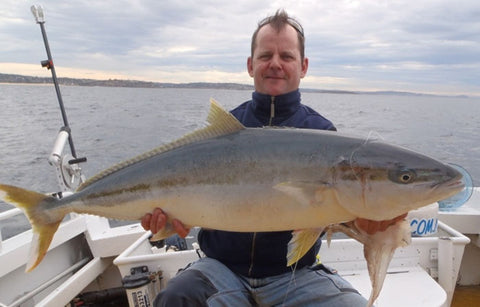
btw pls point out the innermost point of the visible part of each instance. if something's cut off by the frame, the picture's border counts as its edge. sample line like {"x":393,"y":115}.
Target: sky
{"x":424,"y":46}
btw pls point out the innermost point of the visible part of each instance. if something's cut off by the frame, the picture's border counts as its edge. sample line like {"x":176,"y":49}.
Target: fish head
{"x":379,"y":181}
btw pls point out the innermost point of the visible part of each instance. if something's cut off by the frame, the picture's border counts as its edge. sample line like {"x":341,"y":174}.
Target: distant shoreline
{"x":31,"y":80}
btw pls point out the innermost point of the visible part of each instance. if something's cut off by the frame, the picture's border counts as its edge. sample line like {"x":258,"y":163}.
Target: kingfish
{"x":228,"y":177}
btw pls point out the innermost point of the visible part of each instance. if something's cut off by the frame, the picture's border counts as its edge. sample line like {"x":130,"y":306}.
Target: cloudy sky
{"x":427,"y":46}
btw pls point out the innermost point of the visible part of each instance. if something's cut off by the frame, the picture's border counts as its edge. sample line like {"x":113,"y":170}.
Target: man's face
{"x":276,"y":65}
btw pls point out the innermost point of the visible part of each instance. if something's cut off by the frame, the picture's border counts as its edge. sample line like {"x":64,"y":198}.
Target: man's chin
{"x":276,"y":91}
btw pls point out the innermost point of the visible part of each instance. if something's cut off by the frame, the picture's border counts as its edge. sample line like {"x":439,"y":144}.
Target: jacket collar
{"x":284,"y":105}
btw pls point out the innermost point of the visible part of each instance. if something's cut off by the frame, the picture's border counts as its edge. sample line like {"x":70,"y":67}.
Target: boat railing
{"x":4,"y":216}
{"x":69,"y":265}
{"x":98,"y":231}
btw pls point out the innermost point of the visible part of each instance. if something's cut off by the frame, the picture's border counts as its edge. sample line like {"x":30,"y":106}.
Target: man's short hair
{"x":278,"y":22}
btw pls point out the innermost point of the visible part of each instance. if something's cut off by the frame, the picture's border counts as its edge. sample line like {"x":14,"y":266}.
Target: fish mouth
{"x":461,"y":188}
{"x":462,"y":178}
{"x":453,"y":186}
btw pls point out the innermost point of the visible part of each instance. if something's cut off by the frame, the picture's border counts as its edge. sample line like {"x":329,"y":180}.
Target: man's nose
{"x":275,"y":62}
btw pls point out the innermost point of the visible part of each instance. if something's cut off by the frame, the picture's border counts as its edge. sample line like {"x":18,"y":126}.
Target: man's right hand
{"x":157,"y":220}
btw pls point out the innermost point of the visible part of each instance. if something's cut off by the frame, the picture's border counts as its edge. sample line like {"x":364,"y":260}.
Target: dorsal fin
{"x":220,"y":122}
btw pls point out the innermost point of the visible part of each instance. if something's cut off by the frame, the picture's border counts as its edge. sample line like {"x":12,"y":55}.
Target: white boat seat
{"x":410,"y":286}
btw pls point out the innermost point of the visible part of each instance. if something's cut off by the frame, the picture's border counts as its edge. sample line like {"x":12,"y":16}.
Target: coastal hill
{"x":12,"y":78}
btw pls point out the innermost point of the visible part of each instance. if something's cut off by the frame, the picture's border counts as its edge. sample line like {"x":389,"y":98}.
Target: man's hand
{"x":157,"y":220}
{"x":371,"y":227}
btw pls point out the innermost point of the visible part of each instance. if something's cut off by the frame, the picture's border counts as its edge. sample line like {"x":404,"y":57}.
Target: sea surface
{"x":112,"y":124}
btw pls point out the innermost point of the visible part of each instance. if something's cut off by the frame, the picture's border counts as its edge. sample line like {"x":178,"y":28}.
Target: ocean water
{"x":112,"y":124}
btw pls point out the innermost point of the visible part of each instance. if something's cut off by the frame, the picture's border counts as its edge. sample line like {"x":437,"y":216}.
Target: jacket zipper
{"x":272,"y":110}
{"x":252,"y":254}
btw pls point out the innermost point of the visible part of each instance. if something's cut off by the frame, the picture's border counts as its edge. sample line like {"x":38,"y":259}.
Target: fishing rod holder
{"x":69,"y":173}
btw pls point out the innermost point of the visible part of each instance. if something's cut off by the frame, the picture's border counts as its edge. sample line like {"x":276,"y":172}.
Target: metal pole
{"x":40,"y":19}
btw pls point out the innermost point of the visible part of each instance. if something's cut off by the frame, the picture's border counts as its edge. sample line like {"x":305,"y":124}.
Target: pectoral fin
{"x":306,"y":193}
{"x":301,"y":242}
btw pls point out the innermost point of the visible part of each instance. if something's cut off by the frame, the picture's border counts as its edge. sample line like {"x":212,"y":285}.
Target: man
{"x":248,"y":269}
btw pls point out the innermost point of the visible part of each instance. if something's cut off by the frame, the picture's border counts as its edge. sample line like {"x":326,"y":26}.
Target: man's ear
{"x":304,"y":67}
{"x":250,"y":66}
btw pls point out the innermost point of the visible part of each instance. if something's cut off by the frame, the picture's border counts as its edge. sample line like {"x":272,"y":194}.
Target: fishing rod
{"x":69,"y":173}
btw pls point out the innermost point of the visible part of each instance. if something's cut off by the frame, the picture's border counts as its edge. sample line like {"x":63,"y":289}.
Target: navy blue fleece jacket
{"x":263,"y":254}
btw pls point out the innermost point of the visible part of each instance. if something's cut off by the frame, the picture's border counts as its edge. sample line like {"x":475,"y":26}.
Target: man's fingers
{"x":161,"y":221}
{"x":158,"y":220}
{"x":180,"y":228}
{"x":145,"y":222}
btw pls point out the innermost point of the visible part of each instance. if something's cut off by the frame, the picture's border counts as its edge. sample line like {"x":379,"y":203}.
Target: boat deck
{"x":466,"y":296}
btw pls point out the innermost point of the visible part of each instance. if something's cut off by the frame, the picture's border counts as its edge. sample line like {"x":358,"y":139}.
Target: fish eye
{"x":403,"y":176}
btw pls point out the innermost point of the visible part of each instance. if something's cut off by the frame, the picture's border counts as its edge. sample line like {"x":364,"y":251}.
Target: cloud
{"x":429,"y":46}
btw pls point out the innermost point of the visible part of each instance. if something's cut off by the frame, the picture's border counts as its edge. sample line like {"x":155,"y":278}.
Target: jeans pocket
{"x":333,"y":276}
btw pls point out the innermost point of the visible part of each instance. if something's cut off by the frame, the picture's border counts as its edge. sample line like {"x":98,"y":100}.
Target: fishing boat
{"x":92,"y":263}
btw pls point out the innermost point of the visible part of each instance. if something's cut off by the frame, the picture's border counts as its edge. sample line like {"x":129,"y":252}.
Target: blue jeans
{"x":208,"y":282}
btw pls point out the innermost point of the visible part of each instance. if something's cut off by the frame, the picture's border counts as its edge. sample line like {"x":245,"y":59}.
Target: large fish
{"x":228,"y":177}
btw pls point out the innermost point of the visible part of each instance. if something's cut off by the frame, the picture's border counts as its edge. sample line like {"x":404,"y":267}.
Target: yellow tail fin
{"x":43,"y":227}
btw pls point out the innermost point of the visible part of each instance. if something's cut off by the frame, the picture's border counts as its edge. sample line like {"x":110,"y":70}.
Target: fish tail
{"x":44,"y":227}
